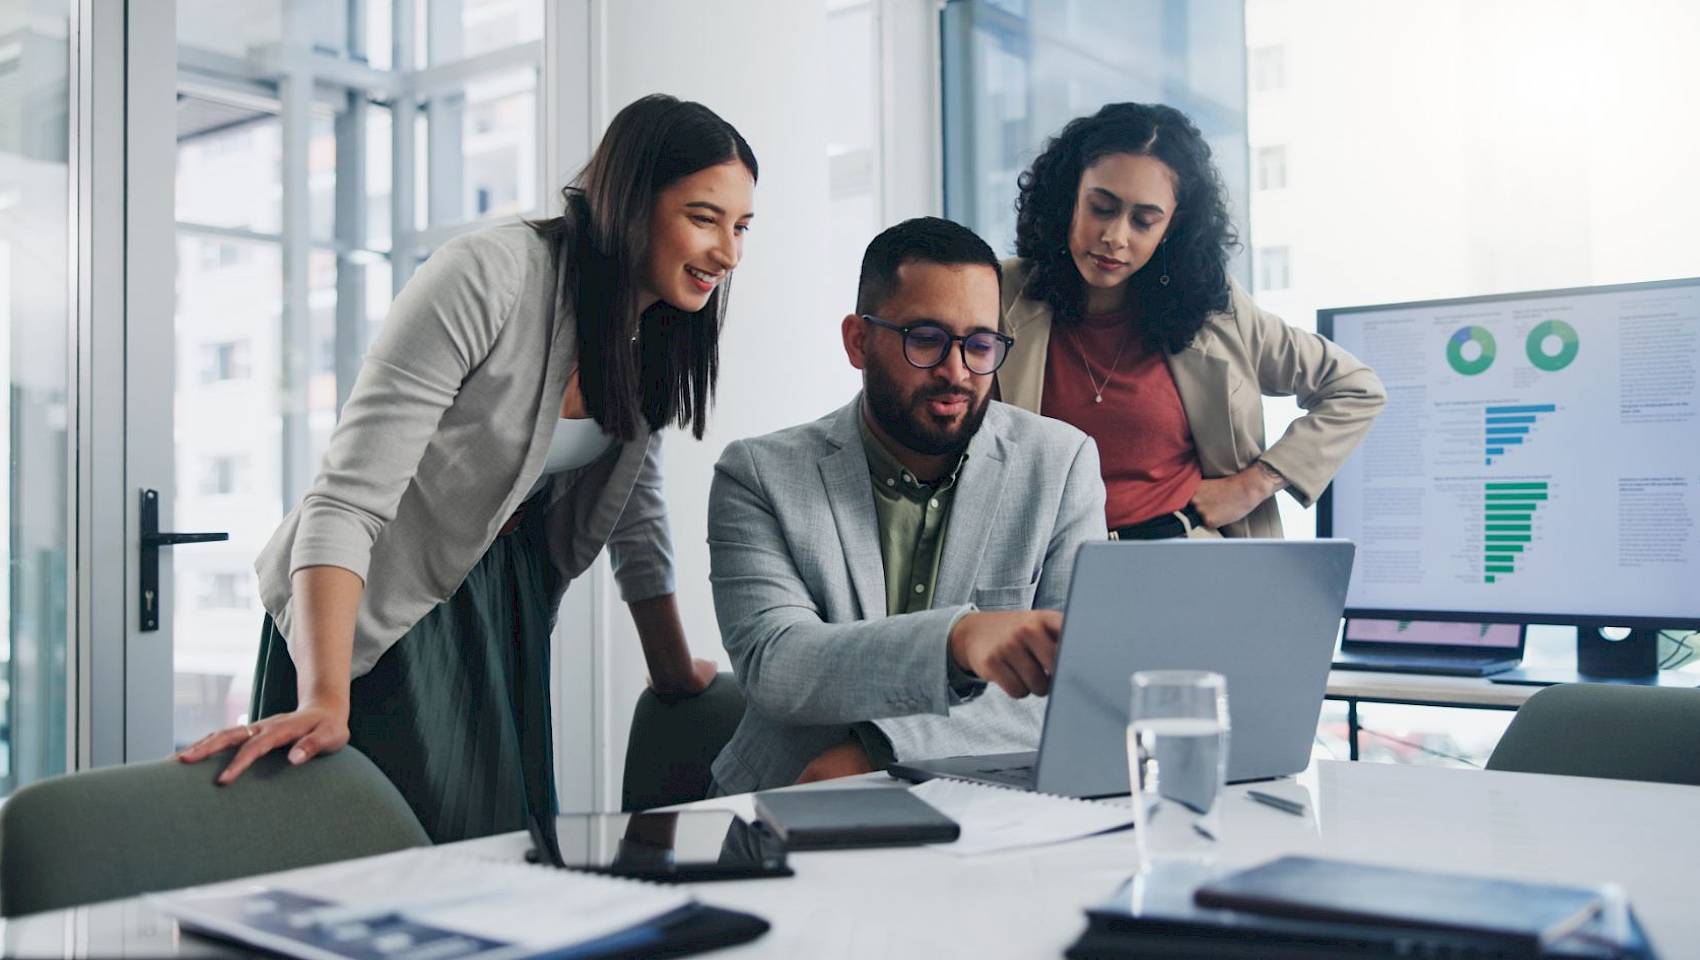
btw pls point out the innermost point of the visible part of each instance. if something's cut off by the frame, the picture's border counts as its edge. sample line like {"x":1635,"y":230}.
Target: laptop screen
{"x":1431,"y":633}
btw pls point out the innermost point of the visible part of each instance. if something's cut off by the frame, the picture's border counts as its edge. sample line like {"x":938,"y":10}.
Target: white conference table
{"x":923,"y":903}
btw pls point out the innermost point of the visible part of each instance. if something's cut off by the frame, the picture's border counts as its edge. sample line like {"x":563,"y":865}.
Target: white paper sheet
{"x":995,"y":818}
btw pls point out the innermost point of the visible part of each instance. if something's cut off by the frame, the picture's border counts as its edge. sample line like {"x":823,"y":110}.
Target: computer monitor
{"x":1538,"y":461}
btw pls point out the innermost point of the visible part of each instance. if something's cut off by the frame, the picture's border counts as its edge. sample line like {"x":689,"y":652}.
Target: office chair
{"x":1605,"y":730}
{"x":673,"y":743}
{"x":121,"y":831}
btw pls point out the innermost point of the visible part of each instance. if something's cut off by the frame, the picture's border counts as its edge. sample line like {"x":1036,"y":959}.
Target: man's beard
{"x":906,"y":420}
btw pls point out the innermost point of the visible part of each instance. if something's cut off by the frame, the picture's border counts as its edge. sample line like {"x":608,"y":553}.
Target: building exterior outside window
{"x":1273,"y":269}
{"x":275,"y":308}
{"x":1016,"y":71}
{"x":1271,"y":168}
{"x":225,"y":360}
{"x":1268,"y":68}
{"x":37,"y":427}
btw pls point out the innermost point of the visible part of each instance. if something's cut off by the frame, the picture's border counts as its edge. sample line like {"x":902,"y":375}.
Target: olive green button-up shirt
{"x":913,"y":517}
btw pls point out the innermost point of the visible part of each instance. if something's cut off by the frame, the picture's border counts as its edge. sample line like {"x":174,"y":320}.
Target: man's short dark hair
{"x":921,"y":240}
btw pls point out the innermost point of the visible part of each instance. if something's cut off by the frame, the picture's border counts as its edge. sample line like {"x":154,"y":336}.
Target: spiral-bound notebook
{"x":1000,"y":818}
{"x":439,"y":904}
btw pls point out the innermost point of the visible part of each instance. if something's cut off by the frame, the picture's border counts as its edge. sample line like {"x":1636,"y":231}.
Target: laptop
{"x":1263,"y":613}
{"x":1428,"y":646}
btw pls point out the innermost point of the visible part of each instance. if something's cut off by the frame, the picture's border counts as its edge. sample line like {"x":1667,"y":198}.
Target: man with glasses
{"x":889,"y":578}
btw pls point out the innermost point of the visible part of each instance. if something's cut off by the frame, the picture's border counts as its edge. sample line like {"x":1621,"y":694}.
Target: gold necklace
{"x":1098,"y":389}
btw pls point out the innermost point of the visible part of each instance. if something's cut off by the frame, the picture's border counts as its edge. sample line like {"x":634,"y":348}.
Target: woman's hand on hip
{"x":312,"y":729}
{"x":1227,"y":499}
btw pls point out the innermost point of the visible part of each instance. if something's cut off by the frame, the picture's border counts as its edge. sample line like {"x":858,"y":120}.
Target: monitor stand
{"x":1632,"y":660}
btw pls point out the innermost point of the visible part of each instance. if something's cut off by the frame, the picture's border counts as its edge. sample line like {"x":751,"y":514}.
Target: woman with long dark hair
{"x":505,"y":427}
{"x":1128,"y":326}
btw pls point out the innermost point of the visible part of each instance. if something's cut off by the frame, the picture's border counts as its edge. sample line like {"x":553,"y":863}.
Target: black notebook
{"x":842,"y":819}
{"x":1145,"y":920}
{"x":1306,"y":888}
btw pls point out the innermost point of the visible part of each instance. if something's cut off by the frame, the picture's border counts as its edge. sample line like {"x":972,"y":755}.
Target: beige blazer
{"x":1241,"y":355}
{"x":444,"y":433}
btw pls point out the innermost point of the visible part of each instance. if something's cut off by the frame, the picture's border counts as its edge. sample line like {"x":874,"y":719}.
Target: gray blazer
{"x":445,"y":431}
{"x":799,"y":587}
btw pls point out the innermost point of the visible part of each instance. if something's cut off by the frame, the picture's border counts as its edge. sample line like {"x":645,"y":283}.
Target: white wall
{"x":772,"y":69}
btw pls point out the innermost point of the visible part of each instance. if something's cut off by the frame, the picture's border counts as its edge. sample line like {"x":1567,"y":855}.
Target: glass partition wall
{"x":36,"y":427}
{"x":1015,"y":71}
{"x":324,"y":149}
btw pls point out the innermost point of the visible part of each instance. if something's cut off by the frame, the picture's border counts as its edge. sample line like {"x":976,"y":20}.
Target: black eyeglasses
{"x":926,"y":344}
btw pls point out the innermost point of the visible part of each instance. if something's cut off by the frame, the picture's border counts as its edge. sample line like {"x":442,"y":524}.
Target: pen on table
{"x":1280,"y":803}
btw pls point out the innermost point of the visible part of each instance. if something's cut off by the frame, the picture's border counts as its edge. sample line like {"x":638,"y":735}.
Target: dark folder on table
{"x":1307,"y":888}
{"x":846,"y":818}
{"x":1149,"y":918}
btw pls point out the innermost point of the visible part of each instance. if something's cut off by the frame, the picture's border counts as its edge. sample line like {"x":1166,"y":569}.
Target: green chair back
{"x":674,"y":742}
{"x":121,"y":831}
{"x":1614,"y":731}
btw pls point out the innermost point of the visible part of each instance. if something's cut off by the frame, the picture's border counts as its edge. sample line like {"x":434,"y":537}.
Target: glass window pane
{"x":1014,"y":73}
{"x":1502,"y":116}
{"x":378,"y":175}
{"x":231,"y":417}
{"x":35,"y":406}
{"x":421,"y":171}
{"x":480,"y":26}
{"x":232,"y":28}
{"x":501,"y":145}
{"x":379,"y":18}
{"x":478,"y":150}
{"x":321,"y":369}
{"x":228,"y":470}
{"x":1268,"y":68}
{"x":853,"y":141}
{"x":230,"y":410}
{"x":242,"y":28}
{"x":378,"y":295}
{"x":321,"y":177}
{"x":229,"y":165}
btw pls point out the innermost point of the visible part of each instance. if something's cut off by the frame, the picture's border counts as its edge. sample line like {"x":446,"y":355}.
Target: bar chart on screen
{"x":1538,"y":452}
{"x":1508,"y":523}
{"x":1507,"y":428}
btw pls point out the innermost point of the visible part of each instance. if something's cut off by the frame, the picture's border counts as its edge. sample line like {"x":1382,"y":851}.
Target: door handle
{"x":151,"y":540}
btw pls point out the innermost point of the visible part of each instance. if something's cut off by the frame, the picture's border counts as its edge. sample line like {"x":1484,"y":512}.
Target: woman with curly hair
{"x":1127,"y":325}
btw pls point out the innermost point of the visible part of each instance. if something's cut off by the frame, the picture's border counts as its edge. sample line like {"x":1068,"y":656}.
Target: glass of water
{"x":1177,"y":752}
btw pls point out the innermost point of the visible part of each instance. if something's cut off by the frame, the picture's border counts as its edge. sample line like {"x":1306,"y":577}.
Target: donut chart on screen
{"x":1561,"y":333}
{"x":1466,"y":360}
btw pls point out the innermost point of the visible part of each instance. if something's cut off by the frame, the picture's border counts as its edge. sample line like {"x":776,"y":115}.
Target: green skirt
{"x":456,"y":713}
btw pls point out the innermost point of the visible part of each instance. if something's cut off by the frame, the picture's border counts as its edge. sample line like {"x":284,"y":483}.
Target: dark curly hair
{"x":1196,"y":245}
